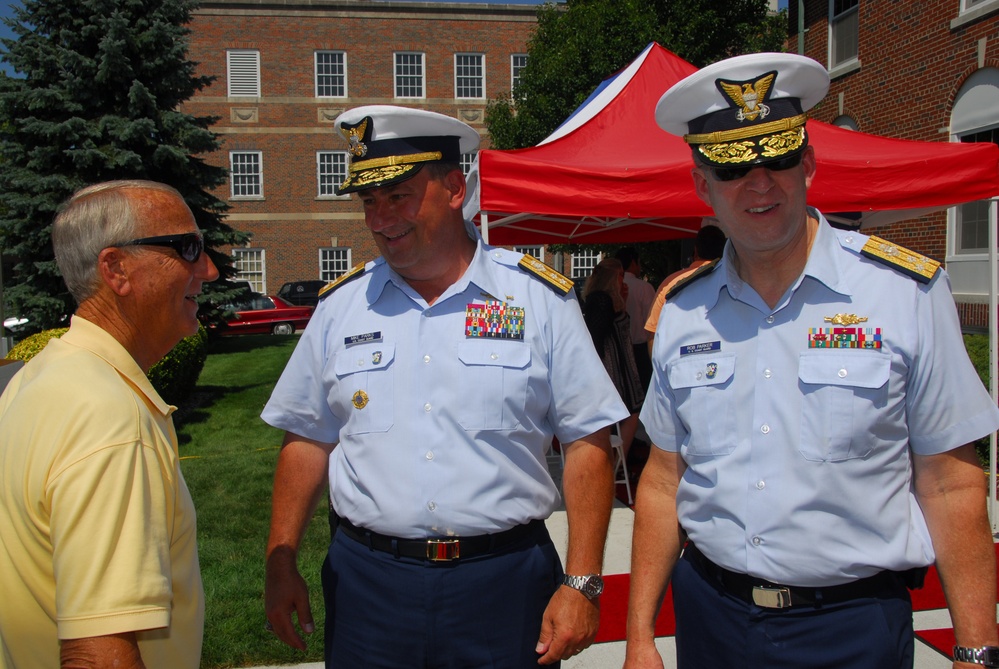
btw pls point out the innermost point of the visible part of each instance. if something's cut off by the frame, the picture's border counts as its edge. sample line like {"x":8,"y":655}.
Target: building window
{"x":583,"y":263}
{"x":533,"y":251}
{"x":243,"y":69}
{"x":331,"y":74}
{"x":409,"y":75}
{"x":247,"y":173}
{"x":249,"y":265}
{"x":518,"y":62}
{"x":972,"y":224}
{"x":331,"y":171}
{"x":844,"y":30}
{"x":469,"y":76}
{"x":333,"y":262}
{"x":467,"y":160}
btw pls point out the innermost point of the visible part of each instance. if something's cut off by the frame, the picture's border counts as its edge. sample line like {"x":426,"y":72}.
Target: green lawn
{"x":228,"y":456}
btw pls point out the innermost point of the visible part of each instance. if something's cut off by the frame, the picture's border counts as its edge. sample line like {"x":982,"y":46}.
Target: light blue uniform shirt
{"x":443,"y":431}
{"x":798,"y":456}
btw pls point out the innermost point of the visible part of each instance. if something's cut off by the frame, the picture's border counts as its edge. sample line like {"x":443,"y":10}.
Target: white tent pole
{"x":993,"y":346}
{"x":484,"y":228}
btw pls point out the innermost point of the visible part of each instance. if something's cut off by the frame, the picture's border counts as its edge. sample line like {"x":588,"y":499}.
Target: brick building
{"x":922,"y":70}
{"x":286,"y":68}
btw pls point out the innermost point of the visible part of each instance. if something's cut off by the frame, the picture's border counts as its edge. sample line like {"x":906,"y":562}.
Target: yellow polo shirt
{"x":97,"y":527}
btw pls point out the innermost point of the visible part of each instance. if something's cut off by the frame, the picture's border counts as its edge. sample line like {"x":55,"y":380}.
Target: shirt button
{"x":430,"y":455}
{"x":842,"y":373}
{"x":765,"y":429}
{"x":767,"y":373}
{"x":427,"y":407}
{"x":426,"y":358}
{"x":432,"y":506}
{"x":700,"y":375}
{"x":494,"y":356}
{"x":770,"y":319}
{"x":757,"y":541}
{"x":760,"y":485}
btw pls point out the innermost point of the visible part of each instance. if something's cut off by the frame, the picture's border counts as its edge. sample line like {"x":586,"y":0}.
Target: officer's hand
{"x":568,"y":626}
{"x":285,"y":591}
{"x":643,"y":655}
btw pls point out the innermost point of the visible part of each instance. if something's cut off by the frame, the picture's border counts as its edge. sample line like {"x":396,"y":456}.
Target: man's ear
{"x":454,"y":181}
{"x":701,"y":185}
{"x":809,"y":165}
{"x":111,"y":266}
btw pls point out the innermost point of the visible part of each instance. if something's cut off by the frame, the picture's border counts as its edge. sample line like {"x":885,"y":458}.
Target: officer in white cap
{"x":812,"y":410}
{"x":427,"y":390}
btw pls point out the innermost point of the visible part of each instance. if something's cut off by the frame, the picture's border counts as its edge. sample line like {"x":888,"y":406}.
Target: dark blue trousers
{"x":399,"y":613}
{"x":716,"y":630}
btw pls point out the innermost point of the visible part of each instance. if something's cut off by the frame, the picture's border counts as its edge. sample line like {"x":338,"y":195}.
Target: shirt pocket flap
{"x":701,"y":370}
{"x":496,"y":354}
{"x":364,"y":358}
{"x":859,"y":369}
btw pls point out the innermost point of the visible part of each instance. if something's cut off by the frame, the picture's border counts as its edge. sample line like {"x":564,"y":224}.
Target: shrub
{"x":174,"y":377}
{"x":978,"y":351}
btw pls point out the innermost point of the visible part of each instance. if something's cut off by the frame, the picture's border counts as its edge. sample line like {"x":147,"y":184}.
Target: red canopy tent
{"x":610,"y":174}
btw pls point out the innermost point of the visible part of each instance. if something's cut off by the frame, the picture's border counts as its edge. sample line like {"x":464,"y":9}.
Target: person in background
{"x":639,"y":295}
{"x":424,"y":396}
{"x":708,"y":246}
{"x":609,"y":324}
{"x":98,"y":553}
{"x":812,"y":411}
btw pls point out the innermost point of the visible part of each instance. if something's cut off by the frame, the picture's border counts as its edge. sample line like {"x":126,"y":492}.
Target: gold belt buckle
{"x":771,"y":598}
{"x":443,"y":550}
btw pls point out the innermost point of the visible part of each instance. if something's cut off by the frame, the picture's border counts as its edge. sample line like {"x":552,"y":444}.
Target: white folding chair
{"x":621,"y":466}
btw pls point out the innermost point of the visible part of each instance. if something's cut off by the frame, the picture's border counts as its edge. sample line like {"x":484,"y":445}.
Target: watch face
{"x":593,"y":587}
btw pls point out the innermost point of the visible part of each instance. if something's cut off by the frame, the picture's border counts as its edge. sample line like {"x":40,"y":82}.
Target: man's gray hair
{"x":91,"y":220}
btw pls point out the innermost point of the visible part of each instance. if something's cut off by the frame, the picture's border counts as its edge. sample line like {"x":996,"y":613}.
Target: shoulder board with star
{"x":557,"y":282}
{"x":910,"y":263}
{"x":703,"y":270}
{"x":329,"y":288}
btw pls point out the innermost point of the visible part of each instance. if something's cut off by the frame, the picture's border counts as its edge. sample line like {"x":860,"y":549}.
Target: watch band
{"x":987,"y":656}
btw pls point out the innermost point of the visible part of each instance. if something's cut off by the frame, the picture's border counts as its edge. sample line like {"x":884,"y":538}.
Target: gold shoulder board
{"x":683,"y":282}
{"x":328,"y":289}
{"x":919,"y":267}
{"x":559,"y":283}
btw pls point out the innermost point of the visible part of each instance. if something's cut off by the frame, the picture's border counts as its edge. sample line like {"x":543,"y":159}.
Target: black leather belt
{"x":762,"y":592}
{"x":443,"y":549}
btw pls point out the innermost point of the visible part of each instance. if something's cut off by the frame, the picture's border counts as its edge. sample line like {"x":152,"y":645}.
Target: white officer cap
{"x":389,"y":144}
{"x":746,"y":110}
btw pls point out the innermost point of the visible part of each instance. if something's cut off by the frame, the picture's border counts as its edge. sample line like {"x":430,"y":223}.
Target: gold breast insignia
{"x":845,"y":319}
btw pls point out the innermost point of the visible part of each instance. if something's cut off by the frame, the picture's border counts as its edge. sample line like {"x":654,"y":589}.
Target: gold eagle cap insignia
{"x":355,"y":136}
{"x":749,"y":96}
{"x":845,"y":319}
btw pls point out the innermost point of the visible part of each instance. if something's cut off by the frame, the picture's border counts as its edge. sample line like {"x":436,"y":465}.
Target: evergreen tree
{"x":97,"y":96}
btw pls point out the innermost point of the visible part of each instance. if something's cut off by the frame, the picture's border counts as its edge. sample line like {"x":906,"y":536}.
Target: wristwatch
{"x":590,"y":585}
{"x":987,"y":656}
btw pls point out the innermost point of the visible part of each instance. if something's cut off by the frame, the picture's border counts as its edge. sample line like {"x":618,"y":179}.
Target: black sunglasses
{"x":188,"y":246}
{"x":733,"y":173}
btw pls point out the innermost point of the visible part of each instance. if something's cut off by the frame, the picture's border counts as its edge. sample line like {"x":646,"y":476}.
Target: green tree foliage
{"x":579,"y":43}
{"x":96,"y":96}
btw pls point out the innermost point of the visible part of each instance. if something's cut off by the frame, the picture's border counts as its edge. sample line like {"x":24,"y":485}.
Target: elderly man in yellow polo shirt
{"x":98,"y":554}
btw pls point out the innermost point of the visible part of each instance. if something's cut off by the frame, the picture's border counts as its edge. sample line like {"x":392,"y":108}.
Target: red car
{"x":266,"y":313}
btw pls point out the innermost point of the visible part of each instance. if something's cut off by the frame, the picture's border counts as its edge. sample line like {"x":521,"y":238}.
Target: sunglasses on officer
{"x":188,"y":246}
{"x":733,"y":173}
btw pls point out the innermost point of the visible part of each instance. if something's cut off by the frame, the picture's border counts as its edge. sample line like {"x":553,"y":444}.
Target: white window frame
{"x":330,"y":265}
{"x":583,"y":263}
{"x":243,"y":73}
{"x":342,"y":74}
{"x":245,"y":177}
{"x":516,"y":69}
{"x":470,"y":76}
{"x":982,"y":206}
{"x":256,"y":258}
{"x":536,"y":251}
{"x":397,"y":77}
{"x":466,"y":162}
{"x":331,"y":171}
{"x":836,"y":21}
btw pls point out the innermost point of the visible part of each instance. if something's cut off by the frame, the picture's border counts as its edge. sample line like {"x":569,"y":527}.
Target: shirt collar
{"x":86,"y":335}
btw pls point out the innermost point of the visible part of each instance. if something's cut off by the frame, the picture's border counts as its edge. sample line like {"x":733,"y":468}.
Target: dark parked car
{"x":266,"y":313}
{"x":301,"y":292}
